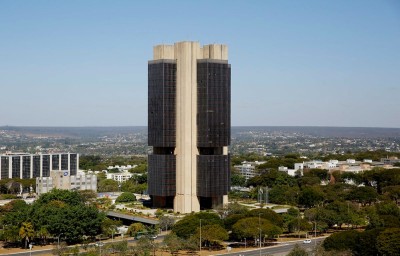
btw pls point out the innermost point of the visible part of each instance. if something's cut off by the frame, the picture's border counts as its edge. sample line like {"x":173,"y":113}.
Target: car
{"x":307,"y":241}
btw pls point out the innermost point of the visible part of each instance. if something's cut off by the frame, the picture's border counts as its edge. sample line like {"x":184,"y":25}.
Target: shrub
{"x":126,"y":197}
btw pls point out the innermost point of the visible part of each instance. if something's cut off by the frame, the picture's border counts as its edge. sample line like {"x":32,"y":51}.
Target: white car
{"x":307,"y":241}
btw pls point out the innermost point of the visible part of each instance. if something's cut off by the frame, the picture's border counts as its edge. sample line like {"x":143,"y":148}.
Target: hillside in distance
{"x":325,"y":132}
{"x":132,"y":140}
{"x":96,"y":132}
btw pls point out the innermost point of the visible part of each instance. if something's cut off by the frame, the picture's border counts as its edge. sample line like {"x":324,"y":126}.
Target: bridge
{"x":131,"y":218}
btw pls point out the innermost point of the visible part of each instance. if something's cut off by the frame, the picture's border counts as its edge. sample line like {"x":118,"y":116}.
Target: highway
{"x":281,"y":249}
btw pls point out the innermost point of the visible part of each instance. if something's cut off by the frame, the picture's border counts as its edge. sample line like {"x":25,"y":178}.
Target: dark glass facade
{"x":64,"y":162}
{"x":26,"y":167}
{"x":73,"y":164}
{"x":5,"y":161}
{"x":20,"y":166}
{"x":213,"y":175}
{"x":162,"y":128}
{"x":55,"y":161}
{"x":161,"y":103}
{"x":45,"y":165}
{"x":36,"y":166}
{"x":16,"y":166}
{"x":213,"y":127}
{"x":213,"y":103}
{"x":163,"y":180}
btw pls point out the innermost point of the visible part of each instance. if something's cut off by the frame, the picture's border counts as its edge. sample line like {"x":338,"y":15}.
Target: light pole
{"x":259,"y":226}
{"x":200,"y":235}
{"x":315,"y":235}
{"x":58,"y":239}
{"x":112,"y":233}
{"x":245,"y":245}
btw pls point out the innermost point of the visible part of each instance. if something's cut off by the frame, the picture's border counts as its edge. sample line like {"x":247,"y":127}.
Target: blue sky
{"x":294,"y":63}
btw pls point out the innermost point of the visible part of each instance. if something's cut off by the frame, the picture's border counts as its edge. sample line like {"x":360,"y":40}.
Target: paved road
{"x":281,"y":249}
{"x":49,"y":251}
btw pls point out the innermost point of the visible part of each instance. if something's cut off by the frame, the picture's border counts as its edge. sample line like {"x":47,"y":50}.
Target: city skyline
{"x":307,"y":63}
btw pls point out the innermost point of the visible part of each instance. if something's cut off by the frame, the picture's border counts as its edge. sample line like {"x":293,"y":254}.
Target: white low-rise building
{"x":248,"y":169}
{"x":120,"y":177}
{"x":63,"y":180}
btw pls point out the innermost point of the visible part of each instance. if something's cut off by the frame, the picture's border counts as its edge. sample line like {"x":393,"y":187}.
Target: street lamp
{"x":315,"y":234}
{"x":58,"y":239}
{"x":112,"y":233}
{"x":259,"y":226}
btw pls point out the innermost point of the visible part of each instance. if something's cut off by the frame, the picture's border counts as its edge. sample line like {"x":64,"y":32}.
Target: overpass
{"x":131,"y":218}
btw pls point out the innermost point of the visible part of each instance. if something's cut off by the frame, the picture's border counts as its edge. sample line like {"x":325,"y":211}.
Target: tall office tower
{"x":189,"y":119}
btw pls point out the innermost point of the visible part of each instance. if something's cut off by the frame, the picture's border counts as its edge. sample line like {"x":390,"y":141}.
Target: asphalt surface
{"x":280,"y":249}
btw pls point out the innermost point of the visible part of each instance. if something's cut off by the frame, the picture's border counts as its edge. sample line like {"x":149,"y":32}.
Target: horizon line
{"x":121,"y":126}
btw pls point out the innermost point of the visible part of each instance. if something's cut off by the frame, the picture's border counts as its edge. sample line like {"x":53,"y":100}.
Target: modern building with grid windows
{"x":189,"y":126}
{"x":28,"y":166}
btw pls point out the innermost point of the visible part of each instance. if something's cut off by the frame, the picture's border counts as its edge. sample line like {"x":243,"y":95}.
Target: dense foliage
{"x":57,"y":213}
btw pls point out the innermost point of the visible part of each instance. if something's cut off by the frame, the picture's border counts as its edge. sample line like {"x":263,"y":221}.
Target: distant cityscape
{"x":106,"y":141}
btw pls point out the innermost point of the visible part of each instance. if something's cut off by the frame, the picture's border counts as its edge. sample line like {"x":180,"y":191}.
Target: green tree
{"x":126,"y":197}
{"x":212,"y":234}
{"x":89,"y":162}
{"x":322,"y":174}
{"x":363,"y":195}
{"x":145,"y":246}
{"x":388,"y":242}
{"x":232,"y":219}
{"x":238,"y":180}
{"x":283,"y":194}
{"x":366,"y":243}
{"x":109,"y":226}
{"x":298,"y":224}
{"x":64,"y":212}
{"x":311,"y":196}
{"x":26,"y":232}
{"x":393,"y":192}
{"x":43,"y":234}
{"x":135,"y":228}
{"x":88,"y":196}
{"x":309,"y":181}
{"x":267,"y":214}
{"x":166,"y":222}
{"x":250,"y":228}
{"x":341,"y":241}
{"x":141,"y":168}
{"x":271,"y":178}
{"x":173,"y":243}
{"x":107,"y":185}
{"x":189,"y":224}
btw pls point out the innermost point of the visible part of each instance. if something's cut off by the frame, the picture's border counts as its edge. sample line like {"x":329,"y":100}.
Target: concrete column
{"x":186,"y":54}
{"x":31,"y":167}
{"x":20,"y":166}
{"x":10,"y":160}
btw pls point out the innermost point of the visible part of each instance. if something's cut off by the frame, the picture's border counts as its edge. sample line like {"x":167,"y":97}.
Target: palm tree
{"x":43,"y":233}
{"x":26,"y":232}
